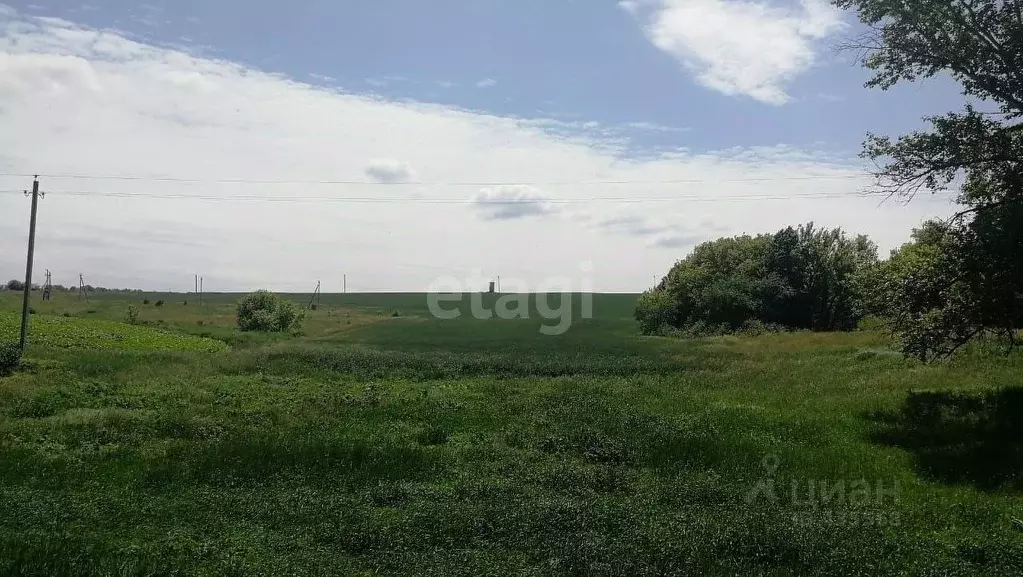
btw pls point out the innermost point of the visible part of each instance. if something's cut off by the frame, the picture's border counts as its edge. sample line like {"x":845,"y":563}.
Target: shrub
{"x":145,"y":301}
{"x":15,"y":285}
{"x":159,"y":303}
{"x":133,"y":315}
{"x":267,"y":312}
{"x":10,"y":357}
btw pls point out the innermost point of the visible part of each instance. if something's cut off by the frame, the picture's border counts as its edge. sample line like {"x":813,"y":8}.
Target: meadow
{"x":378,"y":440}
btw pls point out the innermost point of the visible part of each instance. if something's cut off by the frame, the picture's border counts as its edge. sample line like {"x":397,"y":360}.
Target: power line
{"x":478,"y":202}
{"x":439,"y":183}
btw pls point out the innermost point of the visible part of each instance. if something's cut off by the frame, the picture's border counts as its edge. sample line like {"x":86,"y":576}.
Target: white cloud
{"x":486,"y":83}
{"x":630,"y":6}
{"x":510,"y":202}
{"x":740,"y":47}
{"x":113,"y":107}
{"x":387,"y":171}
{"x":654,"y":127}
{"x":678,"y":240}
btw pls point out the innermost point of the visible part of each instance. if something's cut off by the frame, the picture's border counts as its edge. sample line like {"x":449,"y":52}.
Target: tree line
{"x":797,"y":278}
{"x":17,"y":285}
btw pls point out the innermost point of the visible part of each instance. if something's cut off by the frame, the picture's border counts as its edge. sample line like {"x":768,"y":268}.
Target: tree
{"x":15,"y":285}
{"x":970,"y":271}
{"x":267,"y":312}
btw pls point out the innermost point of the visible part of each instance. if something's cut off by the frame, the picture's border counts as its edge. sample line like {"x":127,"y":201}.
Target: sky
{"x":560,"y":144}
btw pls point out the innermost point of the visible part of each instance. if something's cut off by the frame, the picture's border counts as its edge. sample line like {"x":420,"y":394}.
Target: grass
{"x":374,"y":444}
{"x":72,"y":333}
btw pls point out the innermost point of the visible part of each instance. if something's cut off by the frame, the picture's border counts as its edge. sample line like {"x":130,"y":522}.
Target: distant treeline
{"x":17,"y":285}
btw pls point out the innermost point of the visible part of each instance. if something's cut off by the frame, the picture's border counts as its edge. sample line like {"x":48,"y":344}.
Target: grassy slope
{"x":409,"y":445}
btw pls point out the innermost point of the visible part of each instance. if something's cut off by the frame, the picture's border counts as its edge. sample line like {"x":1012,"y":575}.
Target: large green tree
{"x":966,"y":278}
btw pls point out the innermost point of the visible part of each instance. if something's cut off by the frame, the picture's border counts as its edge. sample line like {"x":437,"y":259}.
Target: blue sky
{"x":630,"y":131}
{"x":571,"y":59}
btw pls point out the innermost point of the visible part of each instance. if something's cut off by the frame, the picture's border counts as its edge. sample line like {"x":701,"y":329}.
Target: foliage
{"x":145,"y":301}
{"x":10,"y":357}
{"x":74,"y":333}
{"x":159,"y":303}
{"x":267,"y":312}
{"x":952,"y":284}
{"x":972,"y":289}
{"x":15,"y":285}
{"x":132,"y":316}
{"x":800,"y":278}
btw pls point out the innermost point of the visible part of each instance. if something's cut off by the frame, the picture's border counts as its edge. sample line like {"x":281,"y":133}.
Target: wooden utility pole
{"x":81,"y":288}
{"x":28,"y":265}
{"x":314,"y":302}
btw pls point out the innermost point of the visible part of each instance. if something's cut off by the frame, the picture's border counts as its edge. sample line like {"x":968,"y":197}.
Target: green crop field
{"x":379,"y":440}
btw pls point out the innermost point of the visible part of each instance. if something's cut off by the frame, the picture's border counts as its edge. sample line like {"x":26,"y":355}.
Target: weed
{"x":10,"y":357}
{"x":132,"y":316}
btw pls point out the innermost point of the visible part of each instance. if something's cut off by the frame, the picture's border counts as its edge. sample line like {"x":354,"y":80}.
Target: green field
{"x":381,"y":441}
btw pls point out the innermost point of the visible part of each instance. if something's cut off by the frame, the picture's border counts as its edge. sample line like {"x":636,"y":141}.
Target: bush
{"x":133,"y":315}
{"x":145,"y":301}
{"x":15,"y":285}
{"x":10,"y":357}
{"x":265,"y":311}
{"x":159,"y":303}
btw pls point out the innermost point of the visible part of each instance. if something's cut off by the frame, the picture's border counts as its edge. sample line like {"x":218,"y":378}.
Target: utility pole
{"x":81,"y":288}
{"x":200,"y":291}
{"x":314,"y":302}
{"x":48,"y":286}
{"x":197,"y":285}
{"x":28,"y":265}
{"x":344,"y":284}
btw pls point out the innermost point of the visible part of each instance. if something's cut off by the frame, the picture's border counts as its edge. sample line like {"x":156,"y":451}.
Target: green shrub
{"x":265,"y":311}
{"x":10,"y":357}
{"x":133,"y":315}
{"x":145,"y":301}
{"x":159,"y":303}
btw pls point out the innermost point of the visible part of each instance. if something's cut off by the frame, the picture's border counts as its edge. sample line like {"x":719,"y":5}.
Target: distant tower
{"x":491,"y":287}
{"x":48,"y":286}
